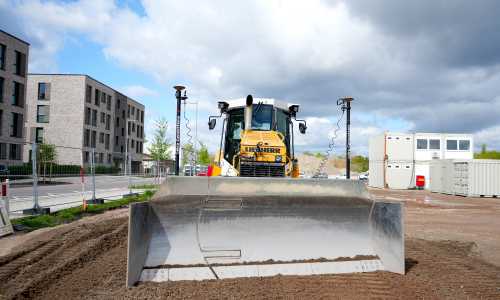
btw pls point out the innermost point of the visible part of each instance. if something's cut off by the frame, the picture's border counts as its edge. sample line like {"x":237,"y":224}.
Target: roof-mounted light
{"x":223,"y":106}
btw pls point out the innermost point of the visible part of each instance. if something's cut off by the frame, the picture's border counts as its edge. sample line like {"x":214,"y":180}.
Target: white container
{"x":475,"y":177}
{"x":478,"y":178}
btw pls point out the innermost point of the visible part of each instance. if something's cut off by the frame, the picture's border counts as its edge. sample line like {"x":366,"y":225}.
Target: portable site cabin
{"x":396,"y":159}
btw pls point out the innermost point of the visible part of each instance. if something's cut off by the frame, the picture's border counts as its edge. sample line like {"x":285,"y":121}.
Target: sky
{"x":411,"y":66}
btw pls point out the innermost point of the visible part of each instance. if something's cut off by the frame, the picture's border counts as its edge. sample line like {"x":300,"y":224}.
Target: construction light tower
{"x":179,"y":97}
{"x":346,"y":106}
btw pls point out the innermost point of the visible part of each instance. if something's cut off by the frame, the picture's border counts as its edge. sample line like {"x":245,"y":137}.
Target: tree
{"x":485,"y":154}
{"x":160,"y":146}
{"x":203,"y":155}
{"x":46,"y":155}
{"x":359,"y":163}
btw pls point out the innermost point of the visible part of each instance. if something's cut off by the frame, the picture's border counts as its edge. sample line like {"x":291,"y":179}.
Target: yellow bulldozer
{"x":257,"y":138}
{"x":252,"y":216}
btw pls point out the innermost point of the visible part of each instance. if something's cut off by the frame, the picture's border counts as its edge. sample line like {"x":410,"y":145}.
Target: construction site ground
{"x":452,"y":252}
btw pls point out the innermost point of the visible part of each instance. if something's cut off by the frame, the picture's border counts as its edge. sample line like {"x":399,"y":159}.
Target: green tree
{"x":203,"y":155}
{"x":485,"y":154}
{"x":160,"y":146}
{"x":46,"y":156}
{"x":359,"y":163}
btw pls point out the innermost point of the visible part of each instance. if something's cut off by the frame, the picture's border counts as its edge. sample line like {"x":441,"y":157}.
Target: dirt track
{"x":88,"y":260}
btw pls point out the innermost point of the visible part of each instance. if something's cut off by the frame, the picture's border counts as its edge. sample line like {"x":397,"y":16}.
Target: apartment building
{"x":81,"y":115}
{"x":13,"y":70}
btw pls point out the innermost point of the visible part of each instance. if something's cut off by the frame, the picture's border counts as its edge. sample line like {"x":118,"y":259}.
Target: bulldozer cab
{"x":265,"y":118}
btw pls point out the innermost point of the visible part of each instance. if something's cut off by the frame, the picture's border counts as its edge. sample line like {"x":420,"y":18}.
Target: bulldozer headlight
{"x":278,"y":158}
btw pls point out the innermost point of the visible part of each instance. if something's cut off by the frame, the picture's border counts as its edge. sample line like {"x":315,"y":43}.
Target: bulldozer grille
{"x":258,"y":169}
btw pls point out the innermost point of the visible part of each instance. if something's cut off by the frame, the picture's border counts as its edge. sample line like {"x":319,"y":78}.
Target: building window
{"x":464,"y":145}
{"x":43,"y":91}
{"x":108,"y":104}
{"x":129,"y":128}
{"x":109,"y":158}
{"x":434,"y":144}
{"x":86,"y":138}
{"x":1,"y":122}
{"x":123,"y":131}
{"x":93,"y":139}
{"x":15,"y":152}
{"x":121,"y":149}
{"x":101,"y":158}
{"x":106,"y":143}
{"x":20,"y":65}
{"x":16,"y":127}
{"x":3,"y":151}
{"x":101,"y":138}
{"x":2,"y":83}
{"x":132,"y":144}
{"x":94,"y":117}
{"x":39,"y":135}
{"x":133,"y":127}
{"x":451,"y":145}
{"x":142,"y":116}
{"x":128,"y":112}
{"x":123,"y":114}
{"x":117,"y":122}
{"x":117,"y":103}
{"x":3,"y":56}
{"x":42,"y":113}
{"x":108,"y":122}
{"x":103,"y":117}
{"x":116,"y":140}
{"x":18,"y":94}
{"x":422,"y":144}
{"x":86,"y":156}
{"x":133,"y":110}
{"x":96,"y":98}
{"x":88,"y":112}
{"x":88,"y":94}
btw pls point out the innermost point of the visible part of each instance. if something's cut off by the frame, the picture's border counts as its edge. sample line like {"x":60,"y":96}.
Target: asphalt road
{"x":69,"y":185}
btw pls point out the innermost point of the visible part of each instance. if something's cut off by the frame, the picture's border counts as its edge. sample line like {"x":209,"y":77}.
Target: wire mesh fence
{"x":56,"y":177}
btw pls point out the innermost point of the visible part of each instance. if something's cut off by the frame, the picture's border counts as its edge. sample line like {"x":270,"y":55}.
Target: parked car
{"x":363,"y":176}
{"x":4,"y":170}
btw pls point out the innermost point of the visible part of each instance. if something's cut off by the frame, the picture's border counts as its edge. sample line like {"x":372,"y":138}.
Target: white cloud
{"x":138,"y":91}
{"x":311,"y":52}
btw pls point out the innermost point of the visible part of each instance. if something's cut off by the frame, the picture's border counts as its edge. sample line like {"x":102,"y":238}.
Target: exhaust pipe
{"x":248,"y":113}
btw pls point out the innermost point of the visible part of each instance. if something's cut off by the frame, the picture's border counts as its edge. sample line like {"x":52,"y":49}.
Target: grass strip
{"x":74,"y":213}
{"x":144,"y":186}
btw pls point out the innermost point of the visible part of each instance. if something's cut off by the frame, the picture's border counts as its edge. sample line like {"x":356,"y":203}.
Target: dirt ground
{"x":452,"y":252}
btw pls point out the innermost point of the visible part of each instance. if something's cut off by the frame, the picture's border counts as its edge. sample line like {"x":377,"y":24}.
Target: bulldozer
{"x":252,"y":216}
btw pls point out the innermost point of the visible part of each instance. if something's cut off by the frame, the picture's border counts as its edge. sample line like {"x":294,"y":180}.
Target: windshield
{"x":262,"y":117}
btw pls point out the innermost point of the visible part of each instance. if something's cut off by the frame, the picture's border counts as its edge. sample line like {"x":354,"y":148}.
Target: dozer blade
{"x":198,"y":228}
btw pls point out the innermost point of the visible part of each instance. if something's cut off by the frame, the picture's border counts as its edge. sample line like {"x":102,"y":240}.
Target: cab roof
{"x":241,"y":102}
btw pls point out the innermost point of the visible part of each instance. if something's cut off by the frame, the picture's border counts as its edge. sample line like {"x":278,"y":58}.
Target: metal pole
{"x":36,"y":206}
{"x":178,"y":95}
{"x":177,"y":132}
{"x":348,"y":141}
{"x":92,"y":167}
{"x":125,"y":160}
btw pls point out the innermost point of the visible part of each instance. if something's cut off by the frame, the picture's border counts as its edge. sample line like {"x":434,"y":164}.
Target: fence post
{"x":92,"y":168}
{"x":7,"y":195}
{"x":36,"y":206}
{"x":36,"y":209}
